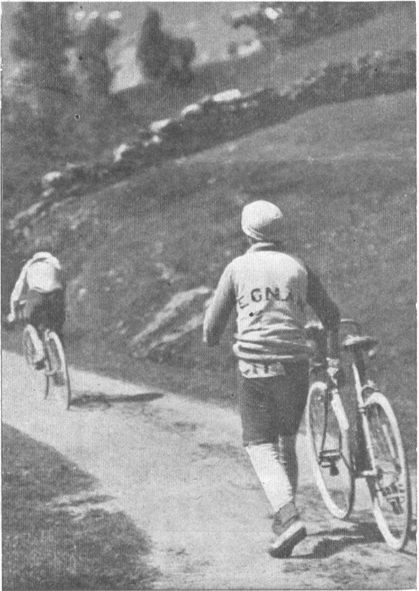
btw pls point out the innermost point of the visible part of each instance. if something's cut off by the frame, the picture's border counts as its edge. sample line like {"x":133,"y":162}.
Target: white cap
{"x":46,"y":256}
{"x":41,"y":255}
{"x":262,"y":221}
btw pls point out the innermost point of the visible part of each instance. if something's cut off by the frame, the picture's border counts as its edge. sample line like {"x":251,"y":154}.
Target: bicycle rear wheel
{"x":29,"y":351}
{"x":390,"y":489}
{"x":58,"y":364}
{"x":329,"y":452}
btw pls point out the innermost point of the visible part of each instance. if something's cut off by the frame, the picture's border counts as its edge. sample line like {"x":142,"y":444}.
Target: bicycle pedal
{"x":397,"y":508}
{"x":334,"y":471}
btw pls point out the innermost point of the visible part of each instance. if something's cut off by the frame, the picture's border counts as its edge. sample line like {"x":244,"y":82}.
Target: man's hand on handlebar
{"x":335,"y":371}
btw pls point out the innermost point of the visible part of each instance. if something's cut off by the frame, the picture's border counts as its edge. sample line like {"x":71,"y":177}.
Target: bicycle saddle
{"x":355,"y":342}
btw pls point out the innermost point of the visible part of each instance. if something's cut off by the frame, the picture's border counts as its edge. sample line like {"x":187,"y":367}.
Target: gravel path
{"x":176,"y":467}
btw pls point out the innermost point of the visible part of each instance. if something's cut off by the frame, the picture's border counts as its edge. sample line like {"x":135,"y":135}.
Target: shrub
{"x":162,"y":56}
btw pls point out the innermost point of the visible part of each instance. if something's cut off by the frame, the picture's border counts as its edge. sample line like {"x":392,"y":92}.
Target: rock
{"x":182,"y":314}
{"x":249,"y":48}
{"x":191,"y":110}
{"x":46,"y":194}
{"x":154,"y":140}
{"x":158,"y":126}
{"x":227,"y":96}
{"x":119,"y":151}
{"x":51,"y":178}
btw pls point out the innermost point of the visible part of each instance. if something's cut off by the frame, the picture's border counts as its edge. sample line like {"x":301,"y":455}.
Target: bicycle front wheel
{"x":390,"y":488}
{"x":329,"y":452}
{"x":58,"y":364}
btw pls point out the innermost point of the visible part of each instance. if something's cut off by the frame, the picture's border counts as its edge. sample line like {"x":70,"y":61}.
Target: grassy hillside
{"x":345,"y":177}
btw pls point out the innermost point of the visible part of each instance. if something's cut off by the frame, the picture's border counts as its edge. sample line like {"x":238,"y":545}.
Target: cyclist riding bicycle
{"x":270,"y":289}
{"x":41,"y":283}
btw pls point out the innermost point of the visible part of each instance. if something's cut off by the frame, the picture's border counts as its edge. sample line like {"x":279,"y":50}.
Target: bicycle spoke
{"x":329,"y":451}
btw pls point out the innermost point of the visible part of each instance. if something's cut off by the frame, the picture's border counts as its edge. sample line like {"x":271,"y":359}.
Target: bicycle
{"x":55,"y":368}
{"x":379,"y":456}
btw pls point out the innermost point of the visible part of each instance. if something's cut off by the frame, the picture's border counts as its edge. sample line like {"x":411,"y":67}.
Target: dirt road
{"x":176,"y":468}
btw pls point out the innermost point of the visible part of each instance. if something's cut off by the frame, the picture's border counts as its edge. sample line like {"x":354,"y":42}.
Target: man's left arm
{"x":219,"y":310}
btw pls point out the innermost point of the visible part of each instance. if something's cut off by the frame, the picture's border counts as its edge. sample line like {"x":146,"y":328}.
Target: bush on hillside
{"x":162,"y":56}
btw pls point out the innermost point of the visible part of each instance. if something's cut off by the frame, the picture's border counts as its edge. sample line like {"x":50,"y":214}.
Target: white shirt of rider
{"x":44,"y":277}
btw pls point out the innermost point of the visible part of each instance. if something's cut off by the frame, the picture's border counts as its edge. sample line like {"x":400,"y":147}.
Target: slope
{"x":345,"y":177}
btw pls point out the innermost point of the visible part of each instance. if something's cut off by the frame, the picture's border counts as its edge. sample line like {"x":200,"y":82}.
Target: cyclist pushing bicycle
{"x":270,"y":290}
{"x":41,"y":283}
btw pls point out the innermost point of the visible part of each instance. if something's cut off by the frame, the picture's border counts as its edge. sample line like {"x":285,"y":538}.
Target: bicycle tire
{"x":390,"y":489}
{"x":58,"y":364}
{"x":27,"y":344}
{"x":28,"y":335}
{"x":47,"y":374}
{"x":332,"y":472}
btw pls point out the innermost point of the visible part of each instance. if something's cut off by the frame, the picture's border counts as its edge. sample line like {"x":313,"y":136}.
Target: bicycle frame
{"x":358,"y":368}
{"x":379,"y":457}
{"x":327,"y":456}
{"x":361,"y":388}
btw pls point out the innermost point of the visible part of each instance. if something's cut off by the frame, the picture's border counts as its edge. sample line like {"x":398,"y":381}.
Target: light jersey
{"x":271,"y":291}
{"x":44,"y":277}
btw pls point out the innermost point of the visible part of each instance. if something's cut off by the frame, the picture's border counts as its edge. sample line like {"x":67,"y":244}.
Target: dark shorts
{"x":47,"y":309}
{"x":272,"y":407}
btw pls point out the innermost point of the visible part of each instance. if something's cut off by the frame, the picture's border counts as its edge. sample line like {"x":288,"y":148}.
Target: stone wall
{"x":223,"y":117}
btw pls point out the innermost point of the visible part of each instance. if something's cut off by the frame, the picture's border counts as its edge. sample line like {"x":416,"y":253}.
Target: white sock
{"x":288,"y":458}
{"x":271,"y":473}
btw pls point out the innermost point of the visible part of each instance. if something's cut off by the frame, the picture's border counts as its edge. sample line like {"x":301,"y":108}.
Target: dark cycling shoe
{"x":40,"y":364}
{"x":289,"y":530}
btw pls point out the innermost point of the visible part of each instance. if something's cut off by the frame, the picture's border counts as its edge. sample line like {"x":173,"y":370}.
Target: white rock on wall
{"x":158,"y":126}
{"x":154,"y":140}
{"x":51,"y":178}
{"x":272,"y":13}
{"x":249,"y":48}
{"x":117,"y":153}
{"x":191,"y":110}
{"x":227,"y":96}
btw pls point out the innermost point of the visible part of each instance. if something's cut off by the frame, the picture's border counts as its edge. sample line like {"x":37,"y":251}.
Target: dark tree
{"x":92,"y":45}
{"x":43,"y":36}
{"x":162,"y":56}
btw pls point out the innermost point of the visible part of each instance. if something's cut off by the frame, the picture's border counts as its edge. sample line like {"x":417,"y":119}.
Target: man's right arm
{"x":219,"y":309}
{"x":326,"y":310}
